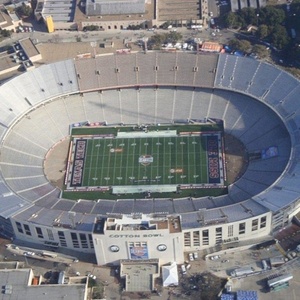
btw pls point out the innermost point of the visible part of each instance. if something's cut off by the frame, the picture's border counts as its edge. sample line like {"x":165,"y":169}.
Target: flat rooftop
{"x":16,"y":284}
{"x":125,"y":224}
{"x":147,"y":15}
{"x":29,"y":47}
{"x":5,"y":19}
{"x":7,"y":62}
{"x":139,"y":276}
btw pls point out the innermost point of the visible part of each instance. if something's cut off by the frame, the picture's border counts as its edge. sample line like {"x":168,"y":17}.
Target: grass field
{"x":130,"y":159}
{"x":144,"y":161}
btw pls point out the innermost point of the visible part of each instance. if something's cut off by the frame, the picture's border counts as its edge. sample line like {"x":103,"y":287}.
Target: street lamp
{"x":257,"y":16}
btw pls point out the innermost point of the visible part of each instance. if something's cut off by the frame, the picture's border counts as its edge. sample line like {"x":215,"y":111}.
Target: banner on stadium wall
{"x":80,"y":124}
{"x":138,"y":252}
{"x":269,"y":152}
{"x":212,"y":147}
{"x":87,"y":123}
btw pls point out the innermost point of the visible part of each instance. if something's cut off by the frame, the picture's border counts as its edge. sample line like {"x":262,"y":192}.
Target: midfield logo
{"x":145,"y":160}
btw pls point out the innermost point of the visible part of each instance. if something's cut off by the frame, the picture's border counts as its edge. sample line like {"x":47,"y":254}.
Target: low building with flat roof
{"x":30,"y":49}
{"x":22,"y":56}
{"x":22,"y":284}
{"x":9,"y":20}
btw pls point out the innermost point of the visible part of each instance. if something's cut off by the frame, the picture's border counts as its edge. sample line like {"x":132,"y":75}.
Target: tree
{"x":5,"y":33}
{"x":157,"y":40}
{"x":173,"y":37}
{"x":91,"y":28}
{"x":279,"y":37}
{"x":262,"y":32}
{"x":260,"y":50}
{"x":271,"y":15}
{"x":242,"y":45}
{"x":24,"y":10}
{"x":248,"y":14}
{"x":231,"y":20}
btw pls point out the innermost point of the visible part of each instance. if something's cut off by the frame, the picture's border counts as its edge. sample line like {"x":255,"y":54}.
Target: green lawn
{"x":134,"y":159}
{"x":169,"y":160}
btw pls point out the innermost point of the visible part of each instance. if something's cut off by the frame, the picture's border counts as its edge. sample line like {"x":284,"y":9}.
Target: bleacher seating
{"x":126,"y":75}
{"x":200,"y":104}
{"x":167,"y":67}
{"x":150,"y":88}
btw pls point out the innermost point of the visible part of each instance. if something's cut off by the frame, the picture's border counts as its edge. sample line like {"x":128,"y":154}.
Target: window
{"x":75,"y":240}
{"x":205,"y":237}
{"x":83,"y":240}
{"x":130,"y":244}
{"x":137,"y":244}
{"x":39,"y":232}
{"x":27,"y":229}
{"x":196,"y":238}
{"x":187,"y":239}
{"x":230,"y":230}
{"x":50,"y":234}
{"x":263,"y":222}
{"x":62,"y":239}
{"x":254,"y":224}
{"x":19,"y":227}
{"x":91,"y":241}
{"x":53,"y":245}
{"x":218,"y":235}
{"x":242,"y":228}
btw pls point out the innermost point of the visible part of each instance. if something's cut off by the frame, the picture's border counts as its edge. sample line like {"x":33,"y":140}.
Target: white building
{"x":137,"y":238}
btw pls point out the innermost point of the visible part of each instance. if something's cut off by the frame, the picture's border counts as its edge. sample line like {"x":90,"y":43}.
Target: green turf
{"x":95,"y":195}
{"x":106,"y":168}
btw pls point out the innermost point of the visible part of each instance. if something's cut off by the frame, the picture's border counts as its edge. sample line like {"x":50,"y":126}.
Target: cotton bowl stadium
{"x":147,"y":156}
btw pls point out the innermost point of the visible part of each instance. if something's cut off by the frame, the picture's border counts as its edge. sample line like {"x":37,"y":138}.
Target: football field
{"x":147,"y":160}
{"x":164,"y":160}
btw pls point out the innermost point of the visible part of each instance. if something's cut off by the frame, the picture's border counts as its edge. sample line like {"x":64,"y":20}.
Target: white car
{"x":191,"y":257}
{"x":215,"y":257}
{"x":195,"y":254}
{"x":28,"y":253}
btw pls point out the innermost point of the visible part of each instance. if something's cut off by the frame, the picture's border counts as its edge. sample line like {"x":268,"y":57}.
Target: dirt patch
{"x":236,"y":158}
{"x":56,"y":162}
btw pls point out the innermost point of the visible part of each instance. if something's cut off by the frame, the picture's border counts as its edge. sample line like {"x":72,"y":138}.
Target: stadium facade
{"x":257,"y":102}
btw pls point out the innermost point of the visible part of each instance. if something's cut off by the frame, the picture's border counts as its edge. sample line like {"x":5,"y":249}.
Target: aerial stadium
{"x":151,"y":93}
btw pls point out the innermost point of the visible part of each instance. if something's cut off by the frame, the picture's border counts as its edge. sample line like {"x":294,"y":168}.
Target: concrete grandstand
{"x":256,"y":101}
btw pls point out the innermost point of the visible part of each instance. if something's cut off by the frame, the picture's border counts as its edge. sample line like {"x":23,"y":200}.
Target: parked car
{"x":191,"y":257}
{"x":195,"y":255}
{"x":264,"y":264}
{"x":215,"y":257}
{"x":28,"y":253}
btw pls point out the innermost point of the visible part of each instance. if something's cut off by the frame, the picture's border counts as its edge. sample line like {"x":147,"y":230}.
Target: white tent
{"x":170,"y":275}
